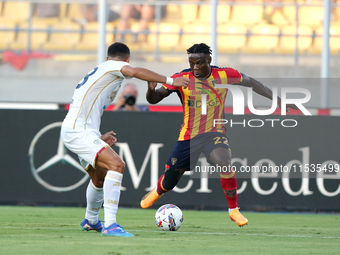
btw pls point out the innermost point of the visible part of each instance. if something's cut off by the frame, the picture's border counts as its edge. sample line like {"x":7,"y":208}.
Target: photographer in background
{"x":127,"y":100}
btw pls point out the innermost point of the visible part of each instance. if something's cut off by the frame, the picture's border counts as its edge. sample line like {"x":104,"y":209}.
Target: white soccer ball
{"x":169,"y":217}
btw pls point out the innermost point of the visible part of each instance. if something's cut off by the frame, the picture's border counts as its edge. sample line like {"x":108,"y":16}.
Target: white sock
{"x":232,"y":209}
{"x":111,"y":187}
{"x":94,"y":198}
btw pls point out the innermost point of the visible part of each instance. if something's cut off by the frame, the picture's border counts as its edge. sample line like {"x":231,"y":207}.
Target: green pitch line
{"x":55,"y":230}
{"x":181,"y":232}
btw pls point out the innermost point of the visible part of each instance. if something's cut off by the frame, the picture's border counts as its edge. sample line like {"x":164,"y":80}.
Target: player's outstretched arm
{"x":257,"y":86}
{"x":148,"y":75}
{"x":262,"y":90}
{"x":154,"y":96}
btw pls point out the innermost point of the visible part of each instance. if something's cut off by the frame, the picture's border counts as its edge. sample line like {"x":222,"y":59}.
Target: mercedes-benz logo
{"x":61,"y":156}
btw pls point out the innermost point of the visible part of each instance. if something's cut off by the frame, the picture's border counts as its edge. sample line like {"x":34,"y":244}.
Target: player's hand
{"x":152,"y":85}
{"x":109,"y":138}
{"x":181,"y":82}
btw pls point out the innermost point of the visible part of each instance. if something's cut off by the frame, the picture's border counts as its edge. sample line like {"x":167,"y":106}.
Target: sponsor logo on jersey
{"x":112,"y":95}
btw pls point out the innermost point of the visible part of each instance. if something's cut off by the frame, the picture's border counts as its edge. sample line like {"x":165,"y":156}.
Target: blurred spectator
{"x":274,"y":12}
{"x":127,"y":100}
{"x":90,"y":13}
{"x":144,"y":13}
{"x":334,"y":12}
{"x":47,"y":10}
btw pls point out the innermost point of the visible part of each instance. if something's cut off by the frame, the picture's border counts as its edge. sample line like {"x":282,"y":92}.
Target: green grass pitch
{"x":55,"y":230}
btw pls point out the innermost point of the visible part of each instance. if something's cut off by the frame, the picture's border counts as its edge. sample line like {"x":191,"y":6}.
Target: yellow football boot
{"x":238,"y":218}
{"x":149,"y":199}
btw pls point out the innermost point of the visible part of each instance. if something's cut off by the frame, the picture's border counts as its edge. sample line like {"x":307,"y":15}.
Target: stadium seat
{"x":189,"y":13}
{"x":130,"y":36}
{"x":7,"y":37}
{"x":234,"y":41}
{"x":334,"y":40}
{"x":308,"y":15}
{"x":264,"y":39}
{"x":335,"y":16}
{"x":223,"y":13}
{"x":89,"y":41}
{"x":63,"y":40}
{"x":63,"y":9}
{"x":194,"y":33}
{"x":247,"y":14}
{"x":51,"y":20}
{"x":289,"y":12}
{"x":74,"y":12}
{"x":275,"y":16}
{"x":311,"y":15}
{"x":45,"y":21}
{"x":37,"y":38}
{"x":166,"y":41}
{"x":15,"y":11}
{"x":173,"y":13}
{"x":287,"y":43}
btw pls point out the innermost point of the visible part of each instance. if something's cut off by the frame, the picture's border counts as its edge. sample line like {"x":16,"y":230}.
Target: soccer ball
{"x":169,"y":217}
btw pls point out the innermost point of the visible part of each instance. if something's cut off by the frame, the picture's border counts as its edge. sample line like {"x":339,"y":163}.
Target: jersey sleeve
{"x":117,"y":66}
{"x":171,"y":88}
{"x":233,"y":76}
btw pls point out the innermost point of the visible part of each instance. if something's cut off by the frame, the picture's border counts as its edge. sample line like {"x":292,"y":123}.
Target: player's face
{"x":200,"y":64}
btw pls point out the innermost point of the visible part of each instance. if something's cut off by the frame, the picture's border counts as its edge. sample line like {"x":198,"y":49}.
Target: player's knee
{"x":223,"y":162}
{"x":120,"y":166}
{"x":116,"y":165}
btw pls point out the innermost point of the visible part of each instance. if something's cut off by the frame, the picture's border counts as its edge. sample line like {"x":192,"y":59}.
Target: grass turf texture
{"x":55,"y":230}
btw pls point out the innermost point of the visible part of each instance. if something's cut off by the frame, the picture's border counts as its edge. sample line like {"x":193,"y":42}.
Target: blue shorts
{"x":186,"y":153}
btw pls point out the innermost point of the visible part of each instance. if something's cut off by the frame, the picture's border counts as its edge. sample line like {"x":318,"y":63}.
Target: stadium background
{"x":42,"y":75}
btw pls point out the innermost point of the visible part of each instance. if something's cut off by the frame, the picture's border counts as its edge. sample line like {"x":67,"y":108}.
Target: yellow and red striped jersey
{"x":191,"y":98}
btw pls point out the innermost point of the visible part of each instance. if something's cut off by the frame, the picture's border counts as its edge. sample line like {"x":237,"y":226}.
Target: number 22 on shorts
{"x":218,"y":140}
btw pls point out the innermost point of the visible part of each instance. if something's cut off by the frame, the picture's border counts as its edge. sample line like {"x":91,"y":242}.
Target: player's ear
{"x":209,"y":59}
{"x":107,"y":58}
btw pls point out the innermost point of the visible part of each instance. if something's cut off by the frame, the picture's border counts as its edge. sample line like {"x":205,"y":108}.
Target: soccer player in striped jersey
{"x":80,"y":134}
{"x":198,"y":132}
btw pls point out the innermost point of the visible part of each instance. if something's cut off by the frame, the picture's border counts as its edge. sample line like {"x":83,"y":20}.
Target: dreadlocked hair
{"x":200,"y":48}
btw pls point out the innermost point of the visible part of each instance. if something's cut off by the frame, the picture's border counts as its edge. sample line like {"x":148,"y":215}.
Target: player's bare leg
{"x":165,"y":183}
{"x":111,"y":183}
{"x":222,"y":157}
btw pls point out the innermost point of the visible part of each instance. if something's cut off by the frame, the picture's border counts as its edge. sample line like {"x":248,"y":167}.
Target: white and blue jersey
{"x":93,"y":95}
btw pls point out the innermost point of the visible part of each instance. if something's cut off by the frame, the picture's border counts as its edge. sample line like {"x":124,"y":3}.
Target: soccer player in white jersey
{"x":80,"y":134}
